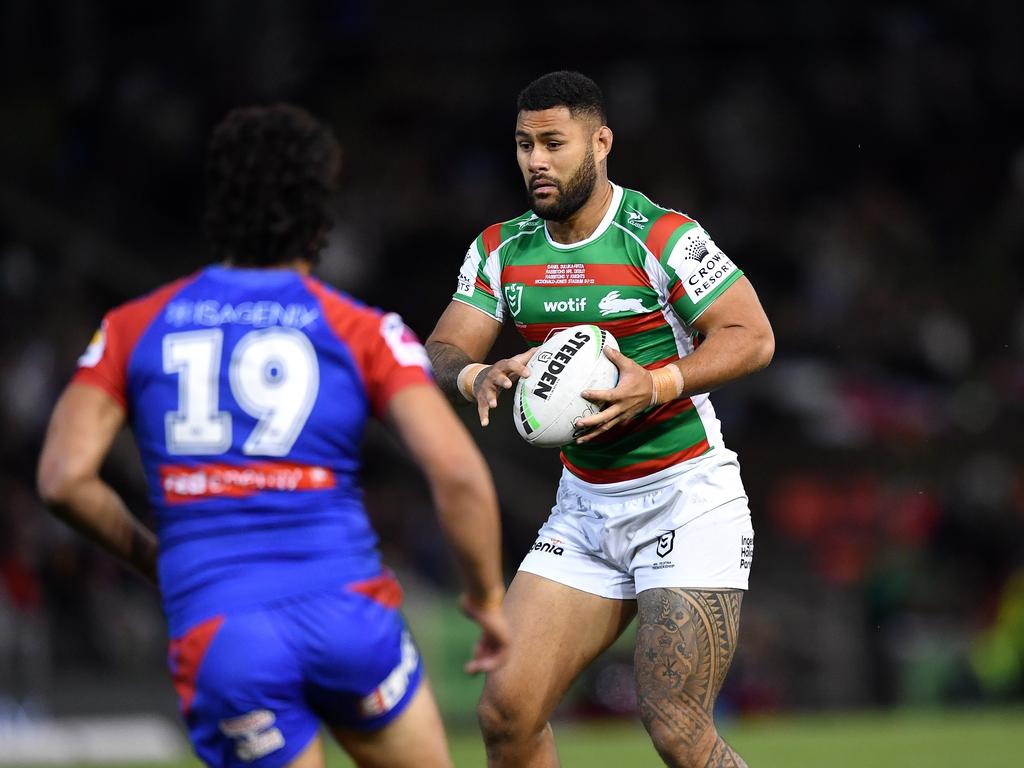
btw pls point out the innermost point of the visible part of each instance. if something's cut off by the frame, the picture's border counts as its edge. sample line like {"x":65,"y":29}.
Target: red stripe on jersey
{"x":660,"y":413}
{"x":484,"y":286}
{"x":640,"y":469}
{"x":186,"y":654}
{"x":626,"y":326}
{"x":383,"y":589}
{"x":661,"y":363}
{"x":182,"y":483}
{"x":662,"y":230}
{"x":677,"y":292}
{"x":492,"y":239}
{"x":556,"y":275}
{"x":122,"y":328}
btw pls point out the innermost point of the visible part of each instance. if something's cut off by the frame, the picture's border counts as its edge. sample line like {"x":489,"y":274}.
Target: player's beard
{"x":572,"y":195}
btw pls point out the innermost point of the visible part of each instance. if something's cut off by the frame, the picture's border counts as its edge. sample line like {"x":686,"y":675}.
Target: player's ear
{"x":602,"y":143}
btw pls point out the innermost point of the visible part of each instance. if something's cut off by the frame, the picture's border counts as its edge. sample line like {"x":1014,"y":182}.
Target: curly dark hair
{"x":576,"y":91}
{"x":269,"y":179}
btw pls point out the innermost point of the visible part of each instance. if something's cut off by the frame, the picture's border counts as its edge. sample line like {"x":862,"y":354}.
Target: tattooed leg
{"x":684,"y":646}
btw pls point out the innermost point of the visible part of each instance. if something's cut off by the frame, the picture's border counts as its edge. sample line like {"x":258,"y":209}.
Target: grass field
{"x":978,"y":739}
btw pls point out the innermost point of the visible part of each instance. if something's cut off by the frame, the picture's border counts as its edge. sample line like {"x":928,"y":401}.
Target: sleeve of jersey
{"x":392,"y":359}
{"x":477,"y":287}
{"x":104,"y":363}
{"x":699,"y":272}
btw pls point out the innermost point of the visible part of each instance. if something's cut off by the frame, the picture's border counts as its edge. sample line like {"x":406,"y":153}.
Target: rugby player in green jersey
{"x":650,"y":518}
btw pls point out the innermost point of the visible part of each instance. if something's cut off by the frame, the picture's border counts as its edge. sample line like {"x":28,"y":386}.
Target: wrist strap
{"x":667,"y":384}
{"x":466,"y":379}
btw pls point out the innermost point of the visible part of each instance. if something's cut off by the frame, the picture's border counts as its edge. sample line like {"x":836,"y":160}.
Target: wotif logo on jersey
{"x":566,"y":305}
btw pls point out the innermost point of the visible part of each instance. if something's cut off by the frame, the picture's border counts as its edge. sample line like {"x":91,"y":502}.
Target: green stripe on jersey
{"x":670,"y":436}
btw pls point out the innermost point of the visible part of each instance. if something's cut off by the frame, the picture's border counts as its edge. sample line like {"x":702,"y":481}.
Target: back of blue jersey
{"x":248,"y":391}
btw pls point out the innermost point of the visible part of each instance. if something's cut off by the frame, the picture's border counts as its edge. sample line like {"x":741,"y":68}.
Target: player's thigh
{"x":557,"y":631}
{"x":685,"y":642}
{"x":415,"y":739}
{"x":311,"y":757}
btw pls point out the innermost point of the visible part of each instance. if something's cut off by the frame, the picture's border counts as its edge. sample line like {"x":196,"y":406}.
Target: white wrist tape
{"x":466,"y":379}
{"x":667,"y":384}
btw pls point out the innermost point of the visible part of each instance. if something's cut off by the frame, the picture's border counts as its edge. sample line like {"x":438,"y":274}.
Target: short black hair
{"x":576,"y":91}
{"x":269,"y":179}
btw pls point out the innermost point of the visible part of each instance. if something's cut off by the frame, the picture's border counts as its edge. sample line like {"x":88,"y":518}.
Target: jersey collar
{"x":613,"y":208}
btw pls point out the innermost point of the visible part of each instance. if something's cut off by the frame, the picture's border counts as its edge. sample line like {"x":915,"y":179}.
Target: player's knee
{"x":506,"y":717}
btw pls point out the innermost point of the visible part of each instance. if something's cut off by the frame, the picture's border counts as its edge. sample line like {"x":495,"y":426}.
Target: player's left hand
{"x":491,"y":650}
{"x":629,"y":398}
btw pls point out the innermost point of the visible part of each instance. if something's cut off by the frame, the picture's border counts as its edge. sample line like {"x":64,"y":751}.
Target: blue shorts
{"x":254,"y":684}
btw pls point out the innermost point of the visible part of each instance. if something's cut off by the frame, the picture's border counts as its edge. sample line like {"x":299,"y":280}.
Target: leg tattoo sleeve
{"x":685,"y":644}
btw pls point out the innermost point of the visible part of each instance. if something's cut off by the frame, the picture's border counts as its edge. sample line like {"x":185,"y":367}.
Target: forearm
{"x":95,"y":510}
{"x":447,"y":361}
{"x":468,"y":514}
{"x":726,"y":355}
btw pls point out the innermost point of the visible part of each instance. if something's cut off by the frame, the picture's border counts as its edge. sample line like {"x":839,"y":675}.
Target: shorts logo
{"x":554,"y":547}
{"x":253,"y":734}
{"x":746,"y":551}
{"x":385,"y":696}
{"x":665,"y":543}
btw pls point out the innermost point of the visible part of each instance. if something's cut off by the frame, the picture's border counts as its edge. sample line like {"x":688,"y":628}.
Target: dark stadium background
{"x":863,"y":163}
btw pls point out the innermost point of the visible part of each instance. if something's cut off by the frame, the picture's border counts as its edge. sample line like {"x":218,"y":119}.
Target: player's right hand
{"x":491,"y":649}
{"x":502,"y":375}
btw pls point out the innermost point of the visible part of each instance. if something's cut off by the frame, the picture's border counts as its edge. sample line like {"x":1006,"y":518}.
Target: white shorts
{"x":615,"y":542}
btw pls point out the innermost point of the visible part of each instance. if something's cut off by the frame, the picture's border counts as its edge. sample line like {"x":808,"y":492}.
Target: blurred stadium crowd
{"x":863,"y":164}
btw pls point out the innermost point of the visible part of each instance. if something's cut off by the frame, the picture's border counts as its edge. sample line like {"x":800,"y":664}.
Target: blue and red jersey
{"x":248,"y":391}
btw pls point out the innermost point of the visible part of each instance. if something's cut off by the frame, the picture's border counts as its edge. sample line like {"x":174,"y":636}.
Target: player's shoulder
{"x":654,"y":224}
{"x":339,"y":307}
{"x":503,"y":232}
{"x":144,"y":308}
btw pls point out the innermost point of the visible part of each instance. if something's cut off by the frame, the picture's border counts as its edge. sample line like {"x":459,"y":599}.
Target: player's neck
{"x":303,"y":266}
{"x":582,"y":224}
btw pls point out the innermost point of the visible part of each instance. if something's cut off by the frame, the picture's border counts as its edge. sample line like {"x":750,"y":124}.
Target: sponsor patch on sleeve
{"x":701,"y":265}
{"x":403,"y":342}
{"x":94,"y":352}
{"x":467,"y":274}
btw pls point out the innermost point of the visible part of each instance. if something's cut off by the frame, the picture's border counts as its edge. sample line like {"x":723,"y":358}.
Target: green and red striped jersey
{"x":645,"y":274}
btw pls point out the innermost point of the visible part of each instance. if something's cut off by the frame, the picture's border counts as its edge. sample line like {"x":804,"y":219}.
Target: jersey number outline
{"x":274,"y":377}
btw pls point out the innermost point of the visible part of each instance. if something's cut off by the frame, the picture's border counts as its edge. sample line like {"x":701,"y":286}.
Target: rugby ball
{"x":548,"y":403}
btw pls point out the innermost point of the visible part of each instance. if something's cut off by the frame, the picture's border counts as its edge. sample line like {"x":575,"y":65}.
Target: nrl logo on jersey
{"x":636,"y":219}
{"x":514,"y":297}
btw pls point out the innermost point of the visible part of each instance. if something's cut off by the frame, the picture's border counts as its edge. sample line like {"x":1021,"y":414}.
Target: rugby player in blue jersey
{"x":248,"y":386}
